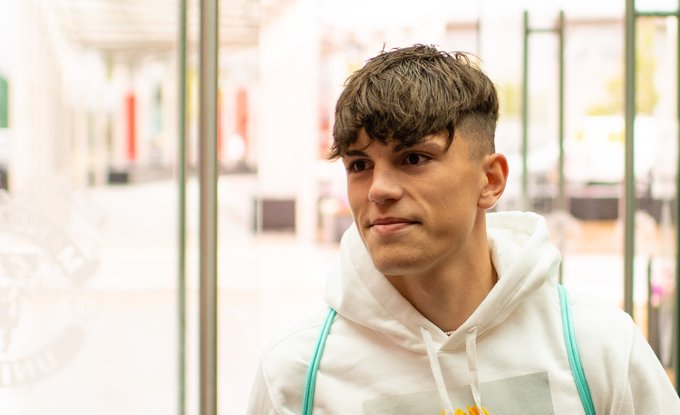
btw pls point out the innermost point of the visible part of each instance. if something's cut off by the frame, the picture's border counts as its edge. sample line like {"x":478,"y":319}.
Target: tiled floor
{"x":107,"y":343}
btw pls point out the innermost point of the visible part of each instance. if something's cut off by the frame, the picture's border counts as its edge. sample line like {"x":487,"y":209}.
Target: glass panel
{"x":591,"y":235}
{"x":656,"y":152}
{"x":87,"y":240}
{"x":88,"y":128}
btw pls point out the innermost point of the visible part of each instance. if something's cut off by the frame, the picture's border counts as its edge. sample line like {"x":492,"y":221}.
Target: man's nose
{"x":385,"y":186}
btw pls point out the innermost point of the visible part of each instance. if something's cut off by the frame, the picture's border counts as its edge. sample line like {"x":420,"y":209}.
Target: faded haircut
{"x":407,"y":93}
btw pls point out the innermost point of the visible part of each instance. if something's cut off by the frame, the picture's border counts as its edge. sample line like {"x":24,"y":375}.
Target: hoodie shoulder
{"x":612,"y":350}
{"x":285,"y":360}
{"x":299,"y":339}
{"x":598,"y":323}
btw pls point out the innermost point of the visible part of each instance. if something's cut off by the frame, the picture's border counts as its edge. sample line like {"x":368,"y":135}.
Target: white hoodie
{"x":383,"y":357}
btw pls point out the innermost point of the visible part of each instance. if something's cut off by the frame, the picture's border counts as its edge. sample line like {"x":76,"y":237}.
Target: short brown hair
{"x":408,"y":93}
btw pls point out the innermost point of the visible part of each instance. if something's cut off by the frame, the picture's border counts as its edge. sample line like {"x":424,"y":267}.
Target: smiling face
{"x":420,"y":209}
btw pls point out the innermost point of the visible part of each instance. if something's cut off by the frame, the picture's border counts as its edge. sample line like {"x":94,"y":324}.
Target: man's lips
{"x":386,"y":226}
{"x":390,"y":221}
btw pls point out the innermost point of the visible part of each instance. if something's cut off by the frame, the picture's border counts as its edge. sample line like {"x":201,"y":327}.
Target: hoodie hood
{"x":520,"y":252}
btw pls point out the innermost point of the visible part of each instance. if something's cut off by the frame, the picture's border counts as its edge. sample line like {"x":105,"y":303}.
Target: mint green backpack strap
{"x":569,"y":339}
{"x":310,"y":384}
{"x":572,"y":352}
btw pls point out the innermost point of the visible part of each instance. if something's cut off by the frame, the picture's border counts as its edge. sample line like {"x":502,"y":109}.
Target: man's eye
{"x":357,"y":166}
{"x":415,"y":159}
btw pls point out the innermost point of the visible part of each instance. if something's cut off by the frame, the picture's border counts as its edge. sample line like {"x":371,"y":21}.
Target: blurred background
{"x":99,"y":305}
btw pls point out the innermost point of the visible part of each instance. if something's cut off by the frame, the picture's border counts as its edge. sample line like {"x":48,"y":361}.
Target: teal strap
{"x":310,"y":384}
{"x":569,"y":339}
{"x":572,"y":352}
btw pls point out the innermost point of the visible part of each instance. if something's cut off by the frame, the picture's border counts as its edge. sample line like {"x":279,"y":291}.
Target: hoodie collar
{"x":520,"y":251}
{"x":524,"y":261}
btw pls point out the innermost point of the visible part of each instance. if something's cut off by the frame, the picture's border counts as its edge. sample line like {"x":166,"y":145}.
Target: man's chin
{"x":394,"y":266}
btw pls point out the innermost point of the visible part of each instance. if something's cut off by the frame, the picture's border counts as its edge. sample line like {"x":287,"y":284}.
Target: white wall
{"x":288,"y":114}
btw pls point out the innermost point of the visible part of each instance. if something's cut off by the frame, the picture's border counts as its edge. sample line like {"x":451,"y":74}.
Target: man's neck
{"x":448,"y":297}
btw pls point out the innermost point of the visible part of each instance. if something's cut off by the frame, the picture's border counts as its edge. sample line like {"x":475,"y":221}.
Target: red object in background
{"x":131,"y":121}
{"x":242,"y":116}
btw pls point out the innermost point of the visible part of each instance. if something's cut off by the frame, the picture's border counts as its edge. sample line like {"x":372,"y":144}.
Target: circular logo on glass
{"x":48,"y":250}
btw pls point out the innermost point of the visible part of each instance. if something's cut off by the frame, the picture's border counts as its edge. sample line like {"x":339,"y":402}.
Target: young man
{"x":441,"y":307}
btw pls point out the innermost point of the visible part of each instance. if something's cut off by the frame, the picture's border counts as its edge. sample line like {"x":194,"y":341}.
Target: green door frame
{"x":630,"y":201}
{"x":561,"y":203}
{"x":632,"y":14}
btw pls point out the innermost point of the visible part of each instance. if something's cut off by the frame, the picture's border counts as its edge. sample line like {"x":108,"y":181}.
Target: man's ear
{"x":496,"y":171}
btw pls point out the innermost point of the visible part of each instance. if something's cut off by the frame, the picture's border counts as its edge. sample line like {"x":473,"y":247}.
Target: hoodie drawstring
{"x":471,"y":351}
{"x":436,"y":370}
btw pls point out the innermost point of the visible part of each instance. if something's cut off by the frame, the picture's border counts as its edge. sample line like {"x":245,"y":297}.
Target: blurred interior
{"x":89,"y":150}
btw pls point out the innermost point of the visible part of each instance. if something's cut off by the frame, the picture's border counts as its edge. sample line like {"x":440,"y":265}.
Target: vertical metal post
{"x":629,"y":176}
{"x":207,"y":165}
{"x":561,"y":201}
{"x":561,"y":197}
{"x":181,"y":209}
{"x":525,"y":114}
{"x":676,"y":329}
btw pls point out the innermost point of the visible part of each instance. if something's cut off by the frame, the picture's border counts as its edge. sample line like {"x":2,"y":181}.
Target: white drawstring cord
{"x":471,"y":350}
{"x":436,"y":370}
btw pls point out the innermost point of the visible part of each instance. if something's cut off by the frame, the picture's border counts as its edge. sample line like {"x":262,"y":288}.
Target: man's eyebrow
{"x":423,"y":145}
{"x":355,"y":153}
